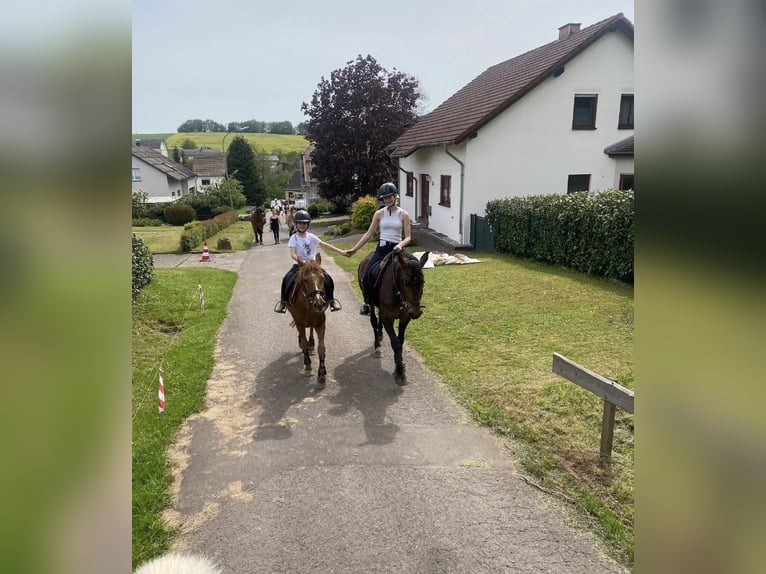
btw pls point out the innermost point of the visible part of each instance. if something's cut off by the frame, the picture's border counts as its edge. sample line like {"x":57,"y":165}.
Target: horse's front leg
{"x":396,"y":345}
{"x":322,"y":374}
{"x":312,"y":343}
{"x":377,"y":333}
{"x":304,"y":343}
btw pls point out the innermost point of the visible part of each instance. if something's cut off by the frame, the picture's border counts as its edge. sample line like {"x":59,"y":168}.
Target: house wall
{"x":157,"y":184}
{"x":530,"y":148}
{"x":214,"y":180}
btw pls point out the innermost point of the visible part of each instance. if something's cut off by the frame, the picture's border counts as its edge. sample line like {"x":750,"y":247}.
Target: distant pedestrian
{"x":274,"y":223}
{"x":290,"y":220}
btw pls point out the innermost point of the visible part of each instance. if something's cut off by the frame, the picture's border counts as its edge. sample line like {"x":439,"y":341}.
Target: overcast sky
{"x":236,"y":60}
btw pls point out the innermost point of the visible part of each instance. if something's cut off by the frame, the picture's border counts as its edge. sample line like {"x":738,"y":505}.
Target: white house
{"x":556,"y":119}
{"x":162,"y":179}
{"x":209,"y":170}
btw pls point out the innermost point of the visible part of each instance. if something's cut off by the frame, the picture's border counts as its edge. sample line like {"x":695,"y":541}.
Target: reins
{"x":309,"y":296}
{"x":404,"y":304}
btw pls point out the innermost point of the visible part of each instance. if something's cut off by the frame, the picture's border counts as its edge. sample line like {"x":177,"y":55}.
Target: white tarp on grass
{"x":439,"y":258}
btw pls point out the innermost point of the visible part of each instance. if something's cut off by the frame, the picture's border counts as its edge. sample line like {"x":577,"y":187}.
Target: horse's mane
{"x":309,"y":266}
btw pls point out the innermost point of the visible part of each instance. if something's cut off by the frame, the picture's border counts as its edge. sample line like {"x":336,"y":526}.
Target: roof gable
{"x":210,"y":166}
{"x":160,"y":162}
{"x":498,"y":87}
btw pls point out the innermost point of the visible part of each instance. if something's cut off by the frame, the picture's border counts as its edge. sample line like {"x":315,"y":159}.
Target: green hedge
{"x":143,"y":265}
{"x":195,"y":234}
{"x":590,"y":231}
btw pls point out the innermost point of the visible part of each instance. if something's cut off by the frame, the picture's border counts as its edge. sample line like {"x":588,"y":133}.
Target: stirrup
{"x":364,"y":309}
{"x":280,"y":307}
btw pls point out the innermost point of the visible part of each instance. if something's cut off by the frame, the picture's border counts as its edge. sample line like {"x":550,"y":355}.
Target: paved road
{"x":276,"y":476}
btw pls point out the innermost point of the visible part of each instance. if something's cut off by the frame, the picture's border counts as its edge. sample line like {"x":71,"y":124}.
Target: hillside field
{"x":269,"y":143}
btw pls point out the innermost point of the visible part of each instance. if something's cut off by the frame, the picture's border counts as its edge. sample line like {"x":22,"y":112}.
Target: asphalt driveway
{"x":362,"y":476}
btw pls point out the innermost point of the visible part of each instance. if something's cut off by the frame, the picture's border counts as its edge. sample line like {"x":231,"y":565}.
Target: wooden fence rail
{"x":613,"y":394}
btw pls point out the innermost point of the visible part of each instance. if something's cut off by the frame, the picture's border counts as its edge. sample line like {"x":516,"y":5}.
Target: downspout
{"x":462,"y":180}
{"x":414,"y":180}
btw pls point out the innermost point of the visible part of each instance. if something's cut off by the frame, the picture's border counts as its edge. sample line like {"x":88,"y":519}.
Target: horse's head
{"x":310,"y":281}
{"x":409,"y":282}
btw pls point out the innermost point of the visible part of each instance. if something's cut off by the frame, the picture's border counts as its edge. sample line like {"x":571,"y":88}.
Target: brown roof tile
{"x":499,"y":86}
{"x":210,"y":166}
{"x":165,"y":165}
{"x":622,"y":147}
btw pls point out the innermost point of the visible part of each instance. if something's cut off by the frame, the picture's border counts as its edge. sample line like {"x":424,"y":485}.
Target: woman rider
{"x":303,"y":246}
{"x":395,"y":233}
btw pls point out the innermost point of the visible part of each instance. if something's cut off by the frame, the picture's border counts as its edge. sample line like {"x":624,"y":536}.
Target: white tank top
{"x":391,"y":226}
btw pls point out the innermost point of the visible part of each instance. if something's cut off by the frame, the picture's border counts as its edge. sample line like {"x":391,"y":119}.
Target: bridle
{"x":403,"y":303}
{"x":310,"y":296}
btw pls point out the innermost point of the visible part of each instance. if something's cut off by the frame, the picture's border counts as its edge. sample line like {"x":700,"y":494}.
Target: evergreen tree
{"x":241,"y":165}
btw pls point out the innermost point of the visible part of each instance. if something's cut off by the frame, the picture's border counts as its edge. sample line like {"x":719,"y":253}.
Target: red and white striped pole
{"x":161,"y":393}
{"x":201,"y":297}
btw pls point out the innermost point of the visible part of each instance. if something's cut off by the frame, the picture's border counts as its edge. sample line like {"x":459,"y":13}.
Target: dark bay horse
{"x":258,"y":220}
{"x":396,"y":294}
{"x":307,"y":306}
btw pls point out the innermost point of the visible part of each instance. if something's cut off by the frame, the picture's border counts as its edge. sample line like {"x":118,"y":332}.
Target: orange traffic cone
{"x":205,"y":253}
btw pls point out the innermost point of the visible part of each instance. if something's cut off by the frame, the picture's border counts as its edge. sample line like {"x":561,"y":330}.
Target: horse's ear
{"x":424,"y":258}
{"x":319,"y":258}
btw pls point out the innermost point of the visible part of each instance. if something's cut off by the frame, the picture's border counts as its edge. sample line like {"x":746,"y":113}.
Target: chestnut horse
{"x":258,"y":220}
{"x":396,"y":293}
{"x":307,"y":306}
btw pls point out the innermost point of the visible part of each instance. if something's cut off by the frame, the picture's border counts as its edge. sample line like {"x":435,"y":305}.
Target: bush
{"x":201,"y":230}
{"x":143,"y":265}
{"x":146,"y":222}
{"x":313,"y":210}
{"x":590,"y":232}
{"x":362,"y":211}
{"x":179,"y":214}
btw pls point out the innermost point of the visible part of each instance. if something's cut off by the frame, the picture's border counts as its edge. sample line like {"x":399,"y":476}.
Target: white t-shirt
{"x":305,"y":247}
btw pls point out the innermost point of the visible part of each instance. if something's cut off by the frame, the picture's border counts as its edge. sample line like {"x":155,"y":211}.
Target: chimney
{"x":568,"y":29}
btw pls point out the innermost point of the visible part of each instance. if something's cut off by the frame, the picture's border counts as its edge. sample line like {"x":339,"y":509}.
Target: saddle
{"x":376,"y":272}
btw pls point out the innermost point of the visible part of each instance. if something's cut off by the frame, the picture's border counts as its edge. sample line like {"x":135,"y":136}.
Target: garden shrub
{"x":146,"y":222}
{"x":313,"y":210}
{"x":179,"y":214}
{"x":143,"y":265}
{"x":201,"y":230}
{"x":590,"y":232}
{"x":362,"y":211}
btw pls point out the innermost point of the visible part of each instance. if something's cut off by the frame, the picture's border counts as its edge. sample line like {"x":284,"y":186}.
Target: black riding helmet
{"x":387,"y":189}
{"x":302,"y":215}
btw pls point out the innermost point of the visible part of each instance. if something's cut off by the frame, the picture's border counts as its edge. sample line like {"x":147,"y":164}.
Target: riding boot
{"x":280,"y":307}
{"x":365,"y":308}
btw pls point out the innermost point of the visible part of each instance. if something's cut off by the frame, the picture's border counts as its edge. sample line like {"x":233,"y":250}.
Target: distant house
{"x":310,"y":184}
{"x":556,"y":119}
{"x":295,"y":190}
{"x":155,"y":144}
{"x":209,"y":170}
{"x":273,"y":161}
{"x":161,"y":178}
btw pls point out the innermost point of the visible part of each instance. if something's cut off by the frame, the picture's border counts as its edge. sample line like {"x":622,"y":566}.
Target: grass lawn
{"x":167,"y":238}
{"x":169,"y":331}
{"x":490,"y":329}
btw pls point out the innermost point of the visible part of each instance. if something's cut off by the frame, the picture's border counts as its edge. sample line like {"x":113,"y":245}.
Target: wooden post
{"x":612,"y":393}
{"x":607,"y":430}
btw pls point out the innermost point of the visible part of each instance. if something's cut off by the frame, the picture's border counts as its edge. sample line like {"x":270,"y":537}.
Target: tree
{"x":240,"y":164}
{"x":281,"y":128}
{"x":353,"y":116}
{"x":300,"y":129}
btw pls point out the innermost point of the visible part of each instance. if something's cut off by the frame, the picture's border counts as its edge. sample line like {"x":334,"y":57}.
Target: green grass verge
{"x":490,"y":329}
{"x":167,"y":238}
{"x":169,"y":330}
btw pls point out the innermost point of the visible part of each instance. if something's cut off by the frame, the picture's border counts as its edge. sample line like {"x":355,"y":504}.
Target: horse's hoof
{"x":321,"y":381}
